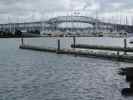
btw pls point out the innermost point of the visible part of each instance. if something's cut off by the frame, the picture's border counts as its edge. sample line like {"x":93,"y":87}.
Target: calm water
{"x":32,"y":75}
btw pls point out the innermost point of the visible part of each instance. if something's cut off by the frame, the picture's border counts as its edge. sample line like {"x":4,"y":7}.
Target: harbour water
{"x":33,"y":75}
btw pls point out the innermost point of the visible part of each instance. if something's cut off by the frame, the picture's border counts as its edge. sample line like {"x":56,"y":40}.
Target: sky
{"x":35,"y":10}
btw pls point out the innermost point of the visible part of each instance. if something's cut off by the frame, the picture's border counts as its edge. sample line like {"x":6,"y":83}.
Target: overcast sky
{"x":27,"y":10}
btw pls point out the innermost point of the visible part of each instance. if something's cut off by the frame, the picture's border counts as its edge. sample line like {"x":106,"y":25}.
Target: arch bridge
{"x":52,"y":25}
{"x":82,"y":19}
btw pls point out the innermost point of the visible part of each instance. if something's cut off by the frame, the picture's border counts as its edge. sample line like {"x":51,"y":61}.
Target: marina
{"x":33,"y":74}
{"x":66,"y":50}
{"x":79,"y":52}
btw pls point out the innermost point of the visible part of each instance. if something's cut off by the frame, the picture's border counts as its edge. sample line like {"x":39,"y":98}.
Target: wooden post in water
{"x":74,"y":41}
{"x":125,"y":46}
{"x":58,"y":45}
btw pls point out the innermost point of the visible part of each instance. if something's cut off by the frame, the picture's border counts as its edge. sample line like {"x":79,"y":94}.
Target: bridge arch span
{"x":62,"y":19}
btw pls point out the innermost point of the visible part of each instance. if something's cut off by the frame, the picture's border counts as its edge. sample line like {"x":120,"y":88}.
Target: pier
{"x":85,"y":53}
{"x":125,"y":49}
{"x":100,"y":47}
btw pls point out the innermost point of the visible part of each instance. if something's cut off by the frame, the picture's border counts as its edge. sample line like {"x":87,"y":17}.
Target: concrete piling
{"x":125,"y":46}
{"x":118,"y":53}
{"x":58,"y":46}
{"x":74,"y":41}
{"x":22,"y":41}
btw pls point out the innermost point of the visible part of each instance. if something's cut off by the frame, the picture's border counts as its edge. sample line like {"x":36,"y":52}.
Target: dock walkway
{"x":100,"y":47}
{"x":125,"y":58}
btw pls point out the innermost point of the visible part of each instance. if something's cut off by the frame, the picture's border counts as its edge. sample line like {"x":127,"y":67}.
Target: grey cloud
{"x":40,"y":7}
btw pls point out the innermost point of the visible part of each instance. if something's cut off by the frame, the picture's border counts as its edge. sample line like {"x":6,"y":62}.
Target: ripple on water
{"x":30,"y":75}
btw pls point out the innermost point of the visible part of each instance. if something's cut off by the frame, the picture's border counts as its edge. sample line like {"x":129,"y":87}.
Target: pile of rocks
{"x":128,"y":72}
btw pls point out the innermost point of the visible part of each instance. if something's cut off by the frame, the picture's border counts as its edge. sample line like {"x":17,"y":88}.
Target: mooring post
{"x":125,"y":46}
{"x":22,"y":41}
{"x":58,"y":45}
{"x":74,"y":41}
{"x":118,"y":53}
